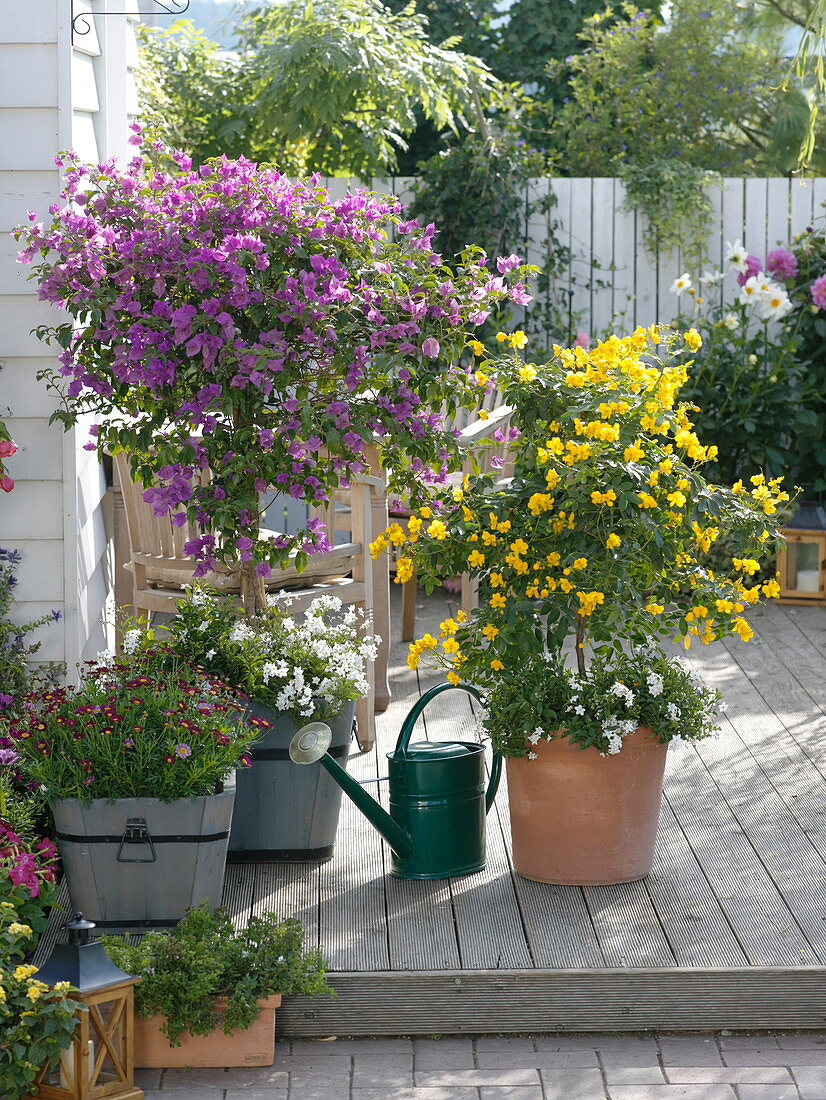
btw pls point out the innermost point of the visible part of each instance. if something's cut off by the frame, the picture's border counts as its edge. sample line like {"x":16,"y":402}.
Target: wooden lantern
{"x":101,"y":1060}
{"x":801,"y":562}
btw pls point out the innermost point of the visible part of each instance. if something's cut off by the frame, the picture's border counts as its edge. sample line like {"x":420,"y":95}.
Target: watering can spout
{"x":311,"y":744}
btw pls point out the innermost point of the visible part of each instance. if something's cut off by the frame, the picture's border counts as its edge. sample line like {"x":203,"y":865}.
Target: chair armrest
{"x":479,"y":431}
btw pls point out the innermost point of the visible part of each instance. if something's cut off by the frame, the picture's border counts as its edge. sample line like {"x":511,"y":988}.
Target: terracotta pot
{"x":581,"y":819}
{"x":254,"y":1046}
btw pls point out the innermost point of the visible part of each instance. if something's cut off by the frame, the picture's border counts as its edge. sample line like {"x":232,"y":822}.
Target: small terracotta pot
{"x":581,"y":819}
{"x":254,"y":1046}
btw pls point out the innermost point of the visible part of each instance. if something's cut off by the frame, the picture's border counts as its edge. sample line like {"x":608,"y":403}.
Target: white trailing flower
{"x":674,"y":712}
{"x":622,"y":691}
{"x":131,"y":640}
{"x":654,"y":683}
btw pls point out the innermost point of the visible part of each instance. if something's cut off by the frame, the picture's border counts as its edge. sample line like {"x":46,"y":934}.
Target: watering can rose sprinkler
{"x":438,"y":801}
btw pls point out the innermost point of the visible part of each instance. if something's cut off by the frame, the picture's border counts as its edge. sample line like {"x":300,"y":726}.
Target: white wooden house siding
{"x":54,"y":95}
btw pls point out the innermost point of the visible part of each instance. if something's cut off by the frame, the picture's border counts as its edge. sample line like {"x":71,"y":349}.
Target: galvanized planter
{"x":284,"y":813}
{"x":139,"y":862}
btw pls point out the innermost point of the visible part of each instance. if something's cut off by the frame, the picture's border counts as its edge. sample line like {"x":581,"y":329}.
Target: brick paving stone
{"x":671,"y":1092}
{"x":634,"y":1075}
{"x":768,"y":1092}
{"x":477,"y":1077}
{"x":256,"y":1094}
{"x":199,"y":1093}
{"x":564,"y":1043}
{"x":580,"y":1084}
{"x":811,"y":1080}
{"x":439,"y":1046}
{"x":449,"y":1059}
{"x":193,"y":1078}
{"x":689,"y":1051}
{"x":774,"y":1057}
{"x":804,"y":1040}
{"x":512,"y":1092}
{"x":612,"y":1057}
{"x":383,"y":1077}
{"x":307,"y":1064}
{"x":764,"y":1041}
{"x":319,"y":1091}
{"x":436,"y":1092}
{"x":148,"y":1079}
{"x":257,"y":1077}
{"x":488,"y":1043}
{"x":734,"y":1075}
{"x":353,"y":1046}
{"x":561,"y":1060}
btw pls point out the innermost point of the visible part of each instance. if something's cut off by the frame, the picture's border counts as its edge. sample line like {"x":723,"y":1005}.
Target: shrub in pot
{"x":598,"y":545}
{"x":204,"y":980}
{"x":295,"y":669}
{"x":132,"y":761}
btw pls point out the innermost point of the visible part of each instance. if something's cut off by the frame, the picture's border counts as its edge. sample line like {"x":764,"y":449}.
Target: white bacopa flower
{"x":654,"y":683}
{"x":579,"y":709}
{"x":532,"y":756}
{"x":535,"y":736}
{"x":621,"y":691}
{"x":131,"y":639}
{"x":737,"y":255}
{"x":681,"y":284}
{"x":731,"y":321}
{"x":204,"y":626}
{"x":673,"y":712}
{"x":210,"y":654}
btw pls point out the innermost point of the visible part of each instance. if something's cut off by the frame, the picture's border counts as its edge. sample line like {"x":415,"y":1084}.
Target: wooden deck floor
{"x":728,"y":931}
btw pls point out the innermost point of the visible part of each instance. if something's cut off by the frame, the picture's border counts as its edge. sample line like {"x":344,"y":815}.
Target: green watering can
{"x":438,"y":800}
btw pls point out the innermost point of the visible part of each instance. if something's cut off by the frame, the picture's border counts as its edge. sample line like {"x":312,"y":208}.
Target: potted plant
{"x":132,"y":762}
{"x":295,"y":669}
{"x":596,"y":547}
{"x":233,"y":319}
{"x":37,"y":1022}
{"x":208,"y":993}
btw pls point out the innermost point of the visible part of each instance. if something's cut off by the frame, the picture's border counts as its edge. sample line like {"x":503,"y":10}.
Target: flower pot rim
{"x":110,"y":801}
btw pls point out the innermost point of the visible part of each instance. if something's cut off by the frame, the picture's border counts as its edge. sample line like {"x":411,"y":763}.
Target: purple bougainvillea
{"x":234,"y":319}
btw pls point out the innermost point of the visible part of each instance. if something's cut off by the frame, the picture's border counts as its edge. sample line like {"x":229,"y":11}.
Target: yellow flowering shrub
{"x":609,"y":520}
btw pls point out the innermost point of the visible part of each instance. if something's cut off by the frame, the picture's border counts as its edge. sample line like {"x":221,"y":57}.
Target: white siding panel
{"x":29,"y":75}
{"x":84,"y":139}
{"x":92,"y":633}
{"x":13,"y":275}
{"x":30,"y":137}
{"x":40,"y":449}
{"x":40,"y":572}
{"x":132,"y":104}
{"x":132,"y":51}
{"x":24,"y":191}
{"x":21,"y":392}
{"x":33,"y":510}
{"x":85,"y":36}
{"x":19,"y":313}
{"x":84,"y":85}
{"x":28,"y":22}
{"x":50,"y":636}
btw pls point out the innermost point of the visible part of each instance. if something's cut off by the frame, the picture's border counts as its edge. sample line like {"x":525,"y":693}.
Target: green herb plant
{"x":203,"y":957}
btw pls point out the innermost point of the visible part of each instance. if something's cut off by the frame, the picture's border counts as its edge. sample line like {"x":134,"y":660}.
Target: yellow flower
{"x":634,"y":452}
{"x":676,"y":498}
{"x":481,"y":378}
{"x":453,"y":678}
{"x":396,"y":534}
{"x":771,"y":589}
{"x":404,"y":570}
{"x":450,"y":645}
{"x":518,"y":339}
{"x":608,"y":497}
{"x":742,"y":628}
{"x":35,"y":991}
{"x":613,"y":541}
{"x":500,"y":336}
{"x":746,"y":565}
{"x":646,"y":500}
{"x":497,"y":580}
{"x":580,"y":563}
{"x":23,"y":972}
{"x":20,"y":930}
{"x":476,"y":346}
{"x":693,"y":339}
{"x":588,"y":601}
{"x":414,"y":525}
{"x":526,"y":374}
{"x":655,"y":608}
{"x":496,"y":664}
{"x":475,"y":558}
{"x":449,"y":626}
{"x":497,"y":601}
{"x":2,"y":994}
{"x":490,"y":631}
{"x":539,"y":503}
{"x":378,"y":546}
{"x":437,"y":530}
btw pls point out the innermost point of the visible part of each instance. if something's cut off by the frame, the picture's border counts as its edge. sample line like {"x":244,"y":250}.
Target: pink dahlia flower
{"x":818,"y":292}
{"x":782,"y":264}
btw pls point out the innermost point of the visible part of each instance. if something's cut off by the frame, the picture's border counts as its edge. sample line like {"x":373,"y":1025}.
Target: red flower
{"x":6,"y":484}
{"x":7,"y":448}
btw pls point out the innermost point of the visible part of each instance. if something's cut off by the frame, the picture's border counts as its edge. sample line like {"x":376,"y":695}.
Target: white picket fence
{"x":611,"y":280}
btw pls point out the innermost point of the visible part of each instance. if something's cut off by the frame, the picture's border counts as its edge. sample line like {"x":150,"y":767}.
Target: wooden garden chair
{"x":161,"y":569}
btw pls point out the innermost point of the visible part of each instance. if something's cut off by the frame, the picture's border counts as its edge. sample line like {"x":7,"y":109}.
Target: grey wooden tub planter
{"x":283,"y":812}
{"x":139,"y":862}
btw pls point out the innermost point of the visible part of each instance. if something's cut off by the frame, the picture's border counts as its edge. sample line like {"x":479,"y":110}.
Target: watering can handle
{"x":416,"y":710}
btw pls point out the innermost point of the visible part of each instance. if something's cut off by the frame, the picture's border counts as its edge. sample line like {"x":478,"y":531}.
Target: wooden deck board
{"x":727,"y":931}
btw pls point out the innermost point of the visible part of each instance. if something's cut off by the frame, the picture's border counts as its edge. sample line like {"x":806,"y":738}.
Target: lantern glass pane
{"x":804,"y":566}
{"x":106,"y":1028}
